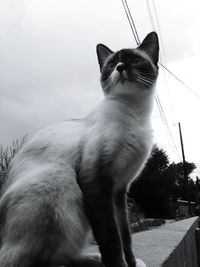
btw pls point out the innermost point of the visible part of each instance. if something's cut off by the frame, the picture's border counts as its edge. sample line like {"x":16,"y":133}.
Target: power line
{"x":136,"y":36}
{"x":163,"y":58}
{"x":150,"y":15}
{"x":137,"y":39}
{"x":162,"y":46}
{"x":178,"y":79}
{"x":127,"y":14}
{"x":131,"y":22}
{"x":164,"y":119}
{"x":165,"y":122}
{"x":159,"y":30}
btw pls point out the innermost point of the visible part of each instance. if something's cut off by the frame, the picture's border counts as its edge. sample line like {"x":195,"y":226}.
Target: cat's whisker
{"x":150,"y":82}
{"x":107,"y":81}
{"x":146,"y":77}
{"x":145,"y":82}
{"x":146,"y":74}
{"x":107,"y":84}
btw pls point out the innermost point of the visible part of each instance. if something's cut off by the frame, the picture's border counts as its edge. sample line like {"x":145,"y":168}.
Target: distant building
{"x":183,"y":208}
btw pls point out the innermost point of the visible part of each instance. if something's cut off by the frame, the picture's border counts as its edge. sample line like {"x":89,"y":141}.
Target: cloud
{"x":49,"y":70}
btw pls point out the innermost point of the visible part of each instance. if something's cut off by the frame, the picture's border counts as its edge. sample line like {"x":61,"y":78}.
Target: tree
{"x":182,"y":180}
{"x":160,"y":184}
{"x":6,"y":155}
{"x":152,"y":189}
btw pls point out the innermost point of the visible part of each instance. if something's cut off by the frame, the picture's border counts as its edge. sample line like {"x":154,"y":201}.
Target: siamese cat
{"x":73,"y":177}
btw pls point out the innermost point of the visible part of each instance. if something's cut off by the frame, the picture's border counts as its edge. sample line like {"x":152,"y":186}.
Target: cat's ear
{"x":151,"y":46}
{"x":102,"y":53}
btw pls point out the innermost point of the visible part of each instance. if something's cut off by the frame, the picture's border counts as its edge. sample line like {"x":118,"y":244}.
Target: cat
{"x":72,"y":177}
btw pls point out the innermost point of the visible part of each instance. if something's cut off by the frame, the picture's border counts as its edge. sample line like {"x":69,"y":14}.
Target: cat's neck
{"x":130,"y":99}
{"x":128,"y":106}
{"x":113,"y":109}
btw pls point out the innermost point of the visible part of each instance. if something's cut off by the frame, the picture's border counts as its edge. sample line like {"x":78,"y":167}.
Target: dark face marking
{"x":139,"y":69}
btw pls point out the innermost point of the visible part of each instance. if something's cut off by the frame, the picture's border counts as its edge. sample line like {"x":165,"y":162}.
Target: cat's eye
{"x":137,"y":60}
{"x":111,"y":64}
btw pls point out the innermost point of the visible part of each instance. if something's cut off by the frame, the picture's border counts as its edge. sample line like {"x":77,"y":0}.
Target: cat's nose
{"x":120,"y":67}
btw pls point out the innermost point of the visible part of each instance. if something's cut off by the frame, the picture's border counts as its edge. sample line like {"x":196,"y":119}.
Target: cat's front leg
{"x":123,"y":222}
{"x":99,"y":207}
{"x":122,"y":218}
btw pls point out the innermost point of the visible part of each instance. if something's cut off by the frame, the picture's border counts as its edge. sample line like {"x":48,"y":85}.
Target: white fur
{"x":140,"y":263}
{"x":54,"y":166}
{"x":49,"y":159}
{"x":114,"y":77}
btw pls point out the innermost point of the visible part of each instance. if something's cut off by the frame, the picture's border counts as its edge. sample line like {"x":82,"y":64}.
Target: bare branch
{"x":7,"y":154}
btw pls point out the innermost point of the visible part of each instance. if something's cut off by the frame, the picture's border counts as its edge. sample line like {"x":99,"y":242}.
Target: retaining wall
{"x":171,"y":245}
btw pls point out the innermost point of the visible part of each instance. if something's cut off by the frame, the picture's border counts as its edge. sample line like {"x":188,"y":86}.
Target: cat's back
{"x":56,"y":139}
{"x":53,"y":148}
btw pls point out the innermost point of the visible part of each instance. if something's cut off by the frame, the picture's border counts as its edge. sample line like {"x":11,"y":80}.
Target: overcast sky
{"x":49,"y":70}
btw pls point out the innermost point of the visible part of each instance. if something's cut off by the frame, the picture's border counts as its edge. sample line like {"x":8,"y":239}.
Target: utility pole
{"x":184,"y":170}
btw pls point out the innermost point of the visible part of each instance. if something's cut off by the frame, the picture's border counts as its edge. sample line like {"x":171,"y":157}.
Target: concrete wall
{"x":171,"y":245}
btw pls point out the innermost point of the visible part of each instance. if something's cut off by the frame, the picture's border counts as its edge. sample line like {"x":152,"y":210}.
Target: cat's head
{"x":129,"y":71}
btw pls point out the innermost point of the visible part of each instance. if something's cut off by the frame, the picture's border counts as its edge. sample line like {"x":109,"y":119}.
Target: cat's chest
{"x":109,"y":136}
{"x":117,"y":148}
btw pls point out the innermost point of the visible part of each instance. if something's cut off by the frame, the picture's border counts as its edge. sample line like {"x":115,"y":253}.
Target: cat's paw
{"x":140,"y":263}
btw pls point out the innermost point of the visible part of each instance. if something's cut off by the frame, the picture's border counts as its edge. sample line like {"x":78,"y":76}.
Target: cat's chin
{"x":116,"y":77}
{"x":123,"y":80}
